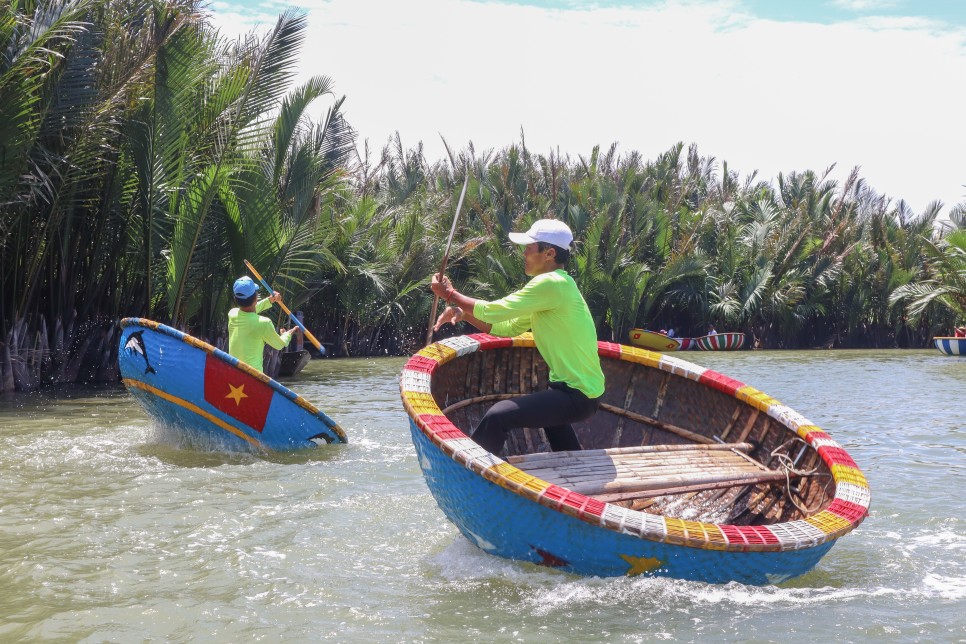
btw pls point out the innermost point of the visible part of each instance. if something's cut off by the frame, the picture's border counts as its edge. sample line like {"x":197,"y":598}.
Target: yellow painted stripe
{"x":421,"y":403}
{"x":846,"y":474}
{"x":191,"y":407}
{"x":520,"y":478}
{"x":641,"y":356}
{"x":755,"y":398}
{"x":829,"y":522}
{"x":524,"y":340}
{"x":438,"y":352}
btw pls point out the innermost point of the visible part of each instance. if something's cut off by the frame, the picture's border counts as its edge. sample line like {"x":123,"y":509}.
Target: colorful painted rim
{"x":846,"y":511}
{"x":951,"y":346}
{"x":235,"y":362}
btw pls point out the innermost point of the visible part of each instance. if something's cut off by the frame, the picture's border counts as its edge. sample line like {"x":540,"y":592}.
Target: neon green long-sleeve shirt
{"x":563,"y":329}
{"x":248,"y":333}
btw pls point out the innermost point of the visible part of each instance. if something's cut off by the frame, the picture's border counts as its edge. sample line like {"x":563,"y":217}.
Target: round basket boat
{"x":184,"y":382}
{"x":685,"y":472}
{"x":726,"y":341}
{"x":655,"y":341}
{"x":951,"y":346}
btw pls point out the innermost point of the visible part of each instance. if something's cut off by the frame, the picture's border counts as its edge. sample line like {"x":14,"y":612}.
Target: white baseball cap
{"x":549,"y":231}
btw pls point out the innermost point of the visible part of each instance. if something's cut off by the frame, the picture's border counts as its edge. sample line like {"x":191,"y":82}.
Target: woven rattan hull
{"x":951,"y":346}
{"x":183,"y":382}
{"x":753,"y":535}
{"x":727,"y":341}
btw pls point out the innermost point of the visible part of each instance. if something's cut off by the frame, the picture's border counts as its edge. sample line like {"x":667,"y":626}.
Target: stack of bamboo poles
{"x":624,"y":473}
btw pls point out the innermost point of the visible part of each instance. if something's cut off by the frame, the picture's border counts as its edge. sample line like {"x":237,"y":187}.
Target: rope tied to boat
{"x":788,"y":466}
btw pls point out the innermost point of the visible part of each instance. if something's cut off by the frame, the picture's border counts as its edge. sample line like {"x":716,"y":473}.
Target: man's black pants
{"x":554,"y":410}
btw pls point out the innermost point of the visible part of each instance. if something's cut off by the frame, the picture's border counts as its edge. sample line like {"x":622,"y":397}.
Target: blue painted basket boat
{"x":951,"y":346}
{"x":655,"y":491}
{"x":184,"y":382}
{"x":727,"y":341}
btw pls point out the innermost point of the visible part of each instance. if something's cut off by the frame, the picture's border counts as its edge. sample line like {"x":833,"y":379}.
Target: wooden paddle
{"x":308,"y":334}
{"x":442,"y":268}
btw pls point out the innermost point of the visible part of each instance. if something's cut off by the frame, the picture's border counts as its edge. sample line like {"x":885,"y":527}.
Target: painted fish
{"x":135,"y":343}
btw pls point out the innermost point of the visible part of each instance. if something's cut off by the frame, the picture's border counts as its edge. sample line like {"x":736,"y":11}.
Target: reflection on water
{"x":114,"y":529}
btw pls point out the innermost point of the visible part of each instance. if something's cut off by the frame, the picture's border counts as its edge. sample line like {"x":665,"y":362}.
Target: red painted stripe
{"x":748,"y":534}
{"x":836,"y":456}
{"x":579,"y":502}
{"x":811,"y":437}
{"x":721,"y":382}
{"x":440,"y":427}
{"x":422,"y":363}
{"x":609,"y":349}
{"x":488,"y":341}
{"x":848,"y":510}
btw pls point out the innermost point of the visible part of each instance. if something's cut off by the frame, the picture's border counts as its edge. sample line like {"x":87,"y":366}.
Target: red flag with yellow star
{"x":236,"y":393}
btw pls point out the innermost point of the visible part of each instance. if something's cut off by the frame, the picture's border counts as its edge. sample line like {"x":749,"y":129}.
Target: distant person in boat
{"x":960,"y":332}
{"x":711,"y":330}
{"x":249,"y":332}
{"x":670,"y":333}
{"x":552,"y":307}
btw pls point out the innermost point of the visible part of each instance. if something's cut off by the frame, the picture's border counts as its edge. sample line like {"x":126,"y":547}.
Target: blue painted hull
{"x":183,"y":382}
{"x":506,"y":524}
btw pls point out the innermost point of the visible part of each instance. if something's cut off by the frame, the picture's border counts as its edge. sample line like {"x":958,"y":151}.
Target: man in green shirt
{"x":552,"y":307}
{"x":249,"y":332}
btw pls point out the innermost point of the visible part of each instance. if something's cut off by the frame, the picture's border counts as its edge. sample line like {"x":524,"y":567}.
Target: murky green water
{"x":112,"y":530}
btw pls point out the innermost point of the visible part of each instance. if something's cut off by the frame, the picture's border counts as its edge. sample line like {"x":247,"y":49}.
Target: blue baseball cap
{"x":244,"y":287}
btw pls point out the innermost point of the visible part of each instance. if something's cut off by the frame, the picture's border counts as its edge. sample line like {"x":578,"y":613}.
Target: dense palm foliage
{"x":142,"y":158}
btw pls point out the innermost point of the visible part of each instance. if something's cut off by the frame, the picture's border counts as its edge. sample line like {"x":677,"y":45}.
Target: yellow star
{"x":641,"y":565}
{"x":237,"y":393}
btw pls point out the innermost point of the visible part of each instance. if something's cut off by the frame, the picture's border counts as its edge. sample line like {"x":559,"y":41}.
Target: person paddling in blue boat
{"x":552,"y":307}
{"x":249,"y":332}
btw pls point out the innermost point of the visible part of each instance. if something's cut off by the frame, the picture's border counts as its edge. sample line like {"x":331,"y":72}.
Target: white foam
{"x":945,"y":587}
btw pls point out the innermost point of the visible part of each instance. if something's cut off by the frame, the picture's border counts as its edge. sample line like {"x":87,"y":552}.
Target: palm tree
{"x":944,"y":288}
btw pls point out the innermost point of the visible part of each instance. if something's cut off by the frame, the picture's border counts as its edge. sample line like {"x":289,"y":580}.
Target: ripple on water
{"x":112,"y":529}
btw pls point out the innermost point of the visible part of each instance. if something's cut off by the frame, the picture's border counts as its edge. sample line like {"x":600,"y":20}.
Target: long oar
{"x":442,"y":268}
{"x":308,"y":334}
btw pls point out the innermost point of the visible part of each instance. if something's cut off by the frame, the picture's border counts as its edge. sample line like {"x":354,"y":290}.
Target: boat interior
{"x":660,"y":443}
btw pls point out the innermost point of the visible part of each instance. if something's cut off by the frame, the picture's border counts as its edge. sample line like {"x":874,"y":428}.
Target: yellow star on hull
{"x":237,"y":393}
{"x":641,"y":565}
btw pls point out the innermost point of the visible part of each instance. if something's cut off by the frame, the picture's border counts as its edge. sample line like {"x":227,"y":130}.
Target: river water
{"x":114,"y":529}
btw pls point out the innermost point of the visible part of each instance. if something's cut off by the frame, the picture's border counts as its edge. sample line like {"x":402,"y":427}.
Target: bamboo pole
{"x":636,"y":449}
{"x":605,"y":470}
{"x":680,"y":431}
{"x":683,"y":489}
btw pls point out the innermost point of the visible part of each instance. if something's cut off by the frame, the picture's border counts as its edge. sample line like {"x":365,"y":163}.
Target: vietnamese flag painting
{"x":236,"y":393}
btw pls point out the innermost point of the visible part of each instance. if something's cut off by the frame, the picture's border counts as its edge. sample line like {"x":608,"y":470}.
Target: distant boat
{"x":727,"y":341}
{"x":951,"y":346}
{"x":654,"y":340}
{"x":182,"y":381}
{"x":291,"y":362}
{"x":685,"y":472}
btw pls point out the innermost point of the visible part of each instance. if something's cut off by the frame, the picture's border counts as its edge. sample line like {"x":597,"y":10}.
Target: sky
{"x":769,"y":86}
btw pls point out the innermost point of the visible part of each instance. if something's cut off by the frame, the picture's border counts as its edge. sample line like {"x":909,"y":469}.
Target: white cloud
{"x":864,"y":5}
{"x":885,"y":94}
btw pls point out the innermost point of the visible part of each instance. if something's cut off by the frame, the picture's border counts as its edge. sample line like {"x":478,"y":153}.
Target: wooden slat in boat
{"x":620,"y":474}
